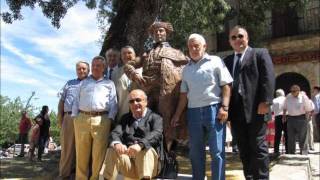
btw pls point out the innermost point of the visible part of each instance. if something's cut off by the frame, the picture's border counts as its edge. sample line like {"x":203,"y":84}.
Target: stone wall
{"x":309,"y":69}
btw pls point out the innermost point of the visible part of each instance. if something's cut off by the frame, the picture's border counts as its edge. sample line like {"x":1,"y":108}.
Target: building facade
{"x":293,"y":39}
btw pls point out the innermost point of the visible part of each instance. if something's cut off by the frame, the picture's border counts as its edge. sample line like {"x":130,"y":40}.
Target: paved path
{"x":293,"y":166}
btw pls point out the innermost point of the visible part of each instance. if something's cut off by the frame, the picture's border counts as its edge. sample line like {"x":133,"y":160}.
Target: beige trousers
{"x":91,"y":133}
{"x":145,"y":164}
{"x":68,"y":149}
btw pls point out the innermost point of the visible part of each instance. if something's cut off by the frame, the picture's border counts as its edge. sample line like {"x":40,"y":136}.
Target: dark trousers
{"x":234,"y":141}
{"x":252,"y":144}
{"x":317,"y":129}
{"x":42,"y":145}
{"x":297,"y":126}
{"x":23,"y":138}
{"x":279,"y":127}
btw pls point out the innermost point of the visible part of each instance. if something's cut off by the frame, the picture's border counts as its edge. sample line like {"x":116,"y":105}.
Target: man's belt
{"x":68,"y":112}
{"x":93,"y":113}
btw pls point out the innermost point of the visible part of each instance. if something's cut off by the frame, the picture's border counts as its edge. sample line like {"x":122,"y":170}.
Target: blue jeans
{"x":203,"y":127}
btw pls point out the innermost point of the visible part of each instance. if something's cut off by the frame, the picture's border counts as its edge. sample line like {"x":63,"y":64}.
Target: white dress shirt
{"x":96,"y":96}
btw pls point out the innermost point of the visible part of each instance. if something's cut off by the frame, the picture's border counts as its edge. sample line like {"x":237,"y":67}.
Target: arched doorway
{"x":286,"y":80}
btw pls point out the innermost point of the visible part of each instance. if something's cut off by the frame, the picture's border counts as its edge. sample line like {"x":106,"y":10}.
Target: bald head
{"x":137,"y":102}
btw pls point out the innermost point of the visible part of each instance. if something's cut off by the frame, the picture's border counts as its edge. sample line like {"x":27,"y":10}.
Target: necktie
{"x":110,"y":72}
{"x":236,"y":72}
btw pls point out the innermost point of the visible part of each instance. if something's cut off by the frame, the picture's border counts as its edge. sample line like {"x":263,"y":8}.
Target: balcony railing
{"x":292,"y":23}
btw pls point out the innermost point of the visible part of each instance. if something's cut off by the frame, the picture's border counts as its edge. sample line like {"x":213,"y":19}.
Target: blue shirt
{"x":316,"y":102}
{"x":202,"y":81}
{"x":68,"y":93}
{"x":96,"y":96}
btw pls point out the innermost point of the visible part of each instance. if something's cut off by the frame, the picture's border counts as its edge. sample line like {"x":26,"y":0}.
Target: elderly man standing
{"x":94,"y":109}
{"x":161,"y":76}
{"x":122,"y":82}
{"x":296,"y":106}
{"x":252,"y":95}
{"x":135,"y":142}
{"x":205,"y":88}
{"x":277,"y":109}
{"x":67,"y":140}
{"x":316,"y":112}
{"x":113,"y":57}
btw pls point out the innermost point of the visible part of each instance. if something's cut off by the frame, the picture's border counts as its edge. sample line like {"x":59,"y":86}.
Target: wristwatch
{"x":225,"y":108}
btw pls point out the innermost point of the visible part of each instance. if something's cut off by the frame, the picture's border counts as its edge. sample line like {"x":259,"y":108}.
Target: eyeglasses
{"x":234,"y":37}
{"x":131,"y":101}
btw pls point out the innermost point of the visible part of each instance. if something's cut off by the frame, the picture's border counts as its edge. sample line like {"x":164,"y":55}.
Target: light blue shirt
{"x":68,"y":93}
{"x":202,"y":81}
{"x":96,"y":96}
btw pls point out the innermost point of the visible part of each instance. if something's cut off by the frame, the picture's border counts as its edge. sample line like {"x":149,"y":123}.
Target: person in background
{"x":294,"y":113}
{"x":309,"y":117}
{"x":316,"y":112}
{"x":34,"y":138}
{"x":44,"y":130}
{"x":67,"y":139}
{"x":277,"y":109}
{"x":113,"y":59}
{"x":24,"y":127}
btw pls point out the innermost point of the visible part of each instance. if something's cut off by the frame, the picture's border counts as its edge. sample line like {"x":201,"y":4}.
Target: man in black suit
{"x":135,"y":142}
{"x":252,"y":94}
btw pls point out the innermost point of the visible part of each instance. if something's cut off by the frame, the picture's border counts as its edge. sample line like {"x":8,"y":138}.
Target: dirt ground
{"x":22,"y":168}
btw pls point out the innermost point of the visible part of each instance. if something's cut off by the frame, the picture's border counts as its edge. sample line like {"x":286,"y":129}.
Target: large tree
{"x":129,"y":19}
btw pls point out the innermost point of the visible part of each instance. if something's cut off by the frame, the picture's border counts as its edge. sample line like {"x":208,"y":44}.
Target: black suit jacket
{"x":256,"y":80}
{"x":148,"y":132}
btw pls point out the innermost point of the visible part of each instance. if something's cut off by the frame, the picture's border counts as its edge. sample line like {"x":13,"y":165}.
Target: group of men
{"x":294,"y":116}
{"x":148,"y":97}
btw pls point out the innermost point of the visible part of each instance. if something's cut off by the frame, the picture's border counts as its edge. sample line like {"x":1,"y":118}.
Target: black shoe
{"x":235,"y":150}
{"x":20,"y":155}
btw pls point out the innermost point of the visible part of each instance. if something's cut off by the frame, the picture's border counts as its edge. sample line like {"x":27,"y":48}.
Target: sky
{"x":35,"y":56}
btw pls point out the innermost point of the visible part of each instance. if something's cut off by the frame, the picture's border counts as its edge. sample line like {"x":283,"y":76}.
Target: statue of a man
{"x":161,"y":78}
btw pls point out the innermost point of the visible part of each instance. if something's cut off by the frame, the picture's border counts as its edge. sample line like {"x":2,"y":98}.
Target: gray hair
{"x":83,"y":62}
{"x":112,"y":50}
{"x":198,"y":37}
{"x":101,"y":58}
{"x":279,"y":92}
{"x":128,"y":47}
{"x":142,"y":92}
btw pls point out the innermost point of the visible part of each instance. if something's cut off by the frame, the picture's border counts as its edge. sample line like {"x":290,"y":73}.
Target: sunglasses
{"x":234,"y":37}
{"x":131,"y":101}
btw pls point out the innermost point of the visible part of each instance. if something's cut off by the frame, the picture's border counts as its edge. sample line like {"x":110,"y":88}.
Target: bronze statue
{"x":161,"y":78}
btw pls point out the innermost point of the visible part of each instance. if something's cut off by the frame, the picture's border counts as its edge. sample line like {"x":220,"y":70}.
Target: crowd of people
{"x":295,"y":115}
{"x":36,"y":133}
{"x":116,"y":119}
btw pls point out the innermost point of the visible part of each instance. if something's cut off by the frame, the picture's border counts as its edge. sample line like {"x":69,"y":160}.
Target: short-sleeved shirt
{"x":277,"y":105}
{"x":202,"y":81}
{"x":68,"y":93}
{"x":296,"y":106}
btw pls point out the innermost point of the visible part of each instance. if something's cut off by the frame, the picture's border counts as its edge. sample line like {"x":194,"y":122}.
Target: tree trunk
{"x":130,"y":25}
